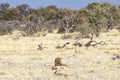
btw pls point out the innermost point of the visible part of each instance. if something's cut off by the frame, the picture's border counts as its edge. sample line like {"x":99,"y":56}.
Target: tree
{"x":48,"y":13}
{"x":4,"y":6}
{"x":4,"y":14}
{"x":24,"y":10}
{"x":14,"y":13}
{"x":96,"y":17}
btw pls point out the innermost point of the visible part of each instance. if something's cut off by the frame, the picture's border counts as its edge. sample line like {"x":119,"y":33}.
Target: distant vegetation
{"x":95,"y":18}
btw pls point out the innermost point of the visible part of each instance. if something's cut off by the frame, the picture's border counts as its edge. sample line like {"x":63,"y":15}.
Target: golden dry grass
{"x":20,"y":59}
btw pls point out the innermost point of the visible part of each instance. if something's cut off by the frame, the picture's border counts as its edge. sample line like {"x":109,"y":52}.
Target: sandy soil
{"x":20,"y":59}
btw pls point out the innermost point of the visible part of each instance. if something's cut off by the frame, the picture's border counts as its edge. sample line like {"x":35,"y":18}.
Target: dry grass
{"x":20,"y":58}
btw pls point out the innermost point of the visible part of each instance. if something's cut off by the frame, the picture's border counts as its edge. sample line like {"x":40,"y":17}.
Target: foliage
{"x":4,"y":6}
{"x":95,"y":18}
{"x":47,"y":13}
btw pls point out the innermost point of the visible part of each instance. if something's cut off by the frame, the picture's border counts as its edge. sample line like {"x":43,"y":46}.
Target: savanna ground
{"x":21,"y":60}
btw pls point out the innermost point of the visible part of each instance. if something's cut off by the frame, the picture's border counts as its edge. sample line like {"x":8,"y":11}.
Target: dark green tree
{"x":4,"y":6}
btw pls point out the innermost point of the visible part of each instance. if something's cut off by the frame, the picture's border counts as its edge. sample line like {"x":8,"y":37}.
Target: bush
{"x":96,"y":17}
